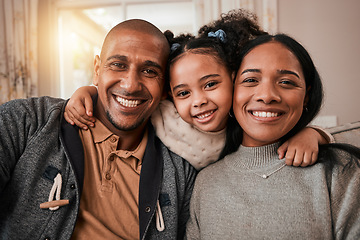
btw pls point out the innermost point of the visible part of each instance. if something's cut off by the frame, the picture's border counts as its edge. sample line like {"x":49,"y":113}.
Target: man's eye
{"x":150,"y":73}
{"x":117,"y":66}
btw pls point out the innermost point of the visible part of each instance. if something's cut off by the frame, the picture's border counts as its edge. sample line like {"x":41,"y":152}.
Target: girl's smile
{"x":201,"y":87}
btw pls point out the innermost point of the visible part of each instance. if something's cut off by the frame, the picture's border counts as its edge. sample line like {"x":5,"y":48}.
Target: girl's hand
{"x":79,"y":109}
{"x":302,"y":149}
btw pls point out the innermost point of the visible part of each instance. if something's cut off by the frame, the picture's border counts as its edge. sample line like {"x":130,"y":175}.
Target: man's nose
{"x":131,"y":81}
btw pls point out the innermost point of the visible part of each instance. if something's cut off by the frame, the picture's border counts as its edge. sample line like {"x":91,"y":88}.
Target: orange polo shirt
{"x":109,"y":201}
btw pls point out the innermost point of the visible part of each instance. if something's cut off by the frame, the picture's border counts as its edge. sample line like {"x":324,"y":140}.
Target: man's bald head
{"x":137,"y":25}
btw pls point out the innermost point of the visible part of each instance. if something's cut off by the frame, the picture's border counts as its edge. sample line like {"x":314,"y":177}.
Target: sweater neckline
{"x":253,"y":158}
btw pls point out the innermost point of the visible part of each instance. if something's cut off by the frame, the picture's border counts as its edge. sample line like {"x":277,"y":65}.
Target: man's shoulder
{"x":34,"y":103}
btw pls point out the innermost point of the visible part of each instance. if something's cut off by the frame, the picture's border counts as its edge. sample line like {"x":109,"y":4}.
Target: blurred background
{"x":47,"y":47}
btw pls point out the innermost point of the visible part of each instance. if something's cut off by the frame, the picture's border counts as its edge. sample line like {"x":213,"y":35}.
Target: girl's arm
{"x":302,"y":149}
{"x":79,"y":109}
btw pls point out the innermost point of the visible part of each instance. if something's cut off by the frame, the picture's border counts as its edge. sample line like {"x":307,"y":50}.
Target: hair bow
{"x":219,"y":34}
{"x":174,"y":46}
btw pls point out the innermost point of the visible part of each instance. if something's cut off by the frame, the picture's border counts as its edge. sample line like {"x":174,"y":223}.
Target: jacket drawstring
{"x":55,"y":191}
{"x":55,"y":188}
{"x":160,"y":226}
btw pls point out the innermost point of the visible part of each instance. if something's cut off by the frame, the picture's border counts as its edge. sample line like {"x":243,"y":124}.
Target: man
{"x":114,"y":181}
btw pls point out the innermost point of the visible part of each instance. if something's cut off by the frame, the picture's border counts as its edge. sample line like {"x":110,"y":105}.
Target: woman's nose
{"x":267,"y":93}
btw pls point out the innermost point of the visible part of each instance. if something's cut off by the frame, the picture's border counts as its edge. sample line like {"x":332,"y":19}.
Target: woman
{"x":251,"y":194}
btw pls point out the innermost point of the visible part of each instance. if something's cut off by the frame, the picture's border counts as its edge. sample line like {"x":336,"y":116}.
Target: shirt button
{"x":147,"y":209}
{"x":113,"y":139}
{"x":108,"y":176}
{"x":111,"y":158}
{"x":72,"y":186}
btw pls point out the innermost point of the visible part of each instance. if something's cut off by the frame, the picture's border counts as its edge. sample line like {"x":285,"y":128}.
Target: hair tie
{"x":174,"y":46}
{"x":219,"y":34}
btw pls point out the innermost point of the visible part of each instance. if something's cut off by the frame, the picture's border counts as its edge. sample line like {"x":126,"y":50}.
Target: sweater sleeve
{"x":197,"y":147}
{"x":20,"y":120}
{"x":345,"y":204}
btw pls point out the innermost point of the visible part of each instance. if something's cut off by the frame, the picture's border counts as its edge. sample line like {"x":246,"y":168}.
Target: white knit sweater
{"x":197,"y":147}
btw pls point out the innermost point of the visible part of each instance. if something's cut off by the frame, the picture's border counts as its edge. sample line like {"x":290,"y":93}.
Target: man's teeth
{"x":202,"y":116}
{"x":265,"y":114}
{"x":128,"y":103}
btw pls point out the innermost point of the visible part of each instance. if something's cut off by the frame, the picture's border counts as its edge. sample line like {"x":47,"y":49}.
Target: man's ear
{"x":164,"y":95}
{"x":97,"y":63}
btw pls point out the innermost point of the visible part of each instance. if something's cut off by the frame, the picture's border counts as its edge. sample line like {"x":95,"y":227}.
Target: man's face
{"x":130,"y":79}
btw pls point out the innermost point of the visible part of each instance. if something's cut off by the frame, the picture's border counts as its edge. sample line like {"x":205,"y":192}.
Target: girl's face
{"x":269,"y":94}
{"x":202,"y":91}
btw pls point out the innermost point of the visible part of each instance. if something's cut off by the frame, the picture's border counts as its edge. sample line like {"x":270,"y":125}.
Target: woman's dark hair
{"x":313,"y":85}
{"x":314,"y":100}
{"x":314,"y":93}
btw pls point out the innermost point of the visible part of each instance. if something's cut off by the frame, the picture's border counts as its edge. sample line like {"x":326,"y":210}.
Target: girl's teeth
{"x":128,"y":103}
{"x":202,"y":116}
{"x":265,"y":114}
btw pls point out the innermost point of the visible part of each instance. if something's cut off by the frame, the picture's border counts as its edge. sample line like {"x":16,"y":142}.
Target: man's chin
{"x":125,"y":127}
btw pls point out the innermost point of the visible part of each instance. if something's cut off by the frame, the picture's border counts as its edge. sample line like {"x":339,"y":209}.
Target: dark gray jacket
{"x":35,"y":138}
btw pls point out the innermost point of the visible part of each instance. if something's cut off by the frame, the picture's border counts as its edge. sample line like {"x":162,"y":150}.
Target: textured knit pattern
{"x":197,"y":147}
{"x":230,"y":201}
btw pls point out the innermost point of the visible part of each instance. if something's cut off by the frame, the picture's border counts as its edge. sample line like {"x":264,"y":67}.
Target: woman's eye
{"x":249,"y":82}
{"x":288,"y":83}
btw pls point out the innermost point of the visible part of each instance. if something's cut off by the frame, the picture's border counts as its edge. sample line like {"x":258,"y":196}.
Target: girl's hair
{"x":221,"y":39}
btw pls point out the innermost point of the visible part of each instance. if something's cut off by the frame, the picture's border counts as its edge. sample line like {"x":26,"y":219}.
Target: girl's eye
{"x":210,"y":84}
{"x":182,"y":93}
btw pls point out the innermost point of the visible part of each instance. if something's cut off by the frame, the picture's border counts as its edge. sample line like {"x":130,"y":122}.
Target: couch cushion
{"x":347,"y":133}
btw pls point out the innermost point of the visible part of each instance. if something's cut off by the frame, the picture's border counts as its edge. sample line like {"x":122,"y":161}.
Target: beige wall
{"x":330,"y":31}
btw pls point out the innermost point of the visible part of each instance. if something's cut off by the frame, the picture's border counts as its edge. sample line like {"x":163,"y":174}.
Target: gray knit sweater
{"x":232,"y":201}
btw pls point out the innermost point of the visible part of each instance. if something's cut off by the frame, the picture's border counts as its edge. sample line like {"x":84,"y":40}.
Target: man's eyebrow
{"x":288,"y":72}
{"x":152,"y":64}
{"x":118,"y":57}
{"x":250,"y":70}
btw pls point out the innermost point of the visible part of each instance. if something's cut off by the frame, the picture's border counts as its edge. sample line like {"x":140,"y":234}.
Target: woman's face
{"x":269,"y":94}
{"x":202,"y":91}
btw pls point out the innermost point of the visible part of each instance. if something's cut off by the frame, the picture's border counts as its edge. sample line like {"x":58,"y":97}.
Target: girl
{"x":201,"y":73}
{"x":251,"y":194}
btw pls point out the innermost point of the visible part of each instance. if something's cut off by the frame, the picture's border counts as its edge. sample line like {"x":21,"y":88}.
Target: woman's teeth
{"x":265,"y":114}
